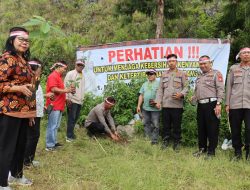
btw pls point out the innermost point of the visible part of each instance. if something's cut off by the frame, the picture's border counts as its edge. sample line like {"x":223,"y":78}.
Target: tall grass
{"x":134,"y":166}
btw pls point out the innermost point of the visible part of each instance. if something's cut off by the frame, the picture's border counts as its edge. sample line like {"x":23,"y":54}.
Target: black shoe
{"x":247,"y":157}
{"x":165,"y":145}
{"x":58,"y":145}
{"x":210,"y":155}
{"x":199,"y":152}
{"x":154,"y":143}
{"x":176,"y":147}
{"x":27,"y":165}
{"x":247,"y":153}
{"x":89,"y":134}
{"x":237,"y":156}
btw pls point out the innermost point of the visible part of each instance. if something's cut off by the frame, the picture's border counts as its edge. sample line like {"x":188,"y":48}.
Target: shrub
{"x":189,"y":125}
{"x":90,"y":101}
{"x":139,"y":128}
{"x":126,"y":96}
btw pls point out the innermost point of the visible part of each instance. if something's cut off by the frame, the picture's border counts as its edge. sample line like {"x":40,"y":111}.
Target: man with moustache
{"x":208,"y":93}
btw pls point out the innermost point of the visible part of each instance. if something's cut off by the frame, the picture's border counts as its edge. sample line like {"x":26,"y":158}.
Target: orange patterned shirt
{"x":14,"y":71}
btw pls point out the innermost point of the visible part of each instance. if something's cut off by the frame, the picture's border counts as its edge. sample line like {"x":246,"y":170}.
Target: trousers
{"x":172,"y":123}
{"x":33,"y":134}
{"x":12,"y":147}
{"x":208,"y":127}
{"x":236,"y":117}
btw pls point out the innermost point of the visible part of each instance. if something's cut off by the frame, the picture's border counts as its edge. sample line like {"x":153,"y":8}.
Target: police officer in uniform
{"x":208,"y":93}
{"x":170,"y":95}
{"x":238,"y":101}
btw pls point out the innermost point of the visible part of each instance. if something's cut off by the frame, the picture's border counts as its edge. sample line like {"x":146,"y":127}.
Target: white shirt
{"x":39,"y":102}
{"x":75,"y":77}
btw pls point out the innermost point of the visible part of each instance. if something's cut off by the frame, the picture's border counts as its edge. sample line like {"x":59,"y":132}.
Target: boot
{"x":237,"y":155}
{"x":199,"y":152}
{"x":176,"y":146}
{"x":210,"y":155}
{"x":165,"y":144}
{"x":247,"y":153}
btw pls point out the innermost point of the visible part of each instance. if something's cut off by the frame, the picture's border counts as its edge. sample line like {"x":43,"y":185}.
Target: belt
{"x":207,"y":100}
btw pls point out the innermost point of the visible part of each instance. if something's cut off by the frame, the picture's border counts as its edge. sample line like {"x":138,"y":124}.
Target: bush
{"x":224,"y":125}
{"x":126,"y":96}
{"x":139,"y":128}
{"x":90,"y":101}
{"x":189,"y":125}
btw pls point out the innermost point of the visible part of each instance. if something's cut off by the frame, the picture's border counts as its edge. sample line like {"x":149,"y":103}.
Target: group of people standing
{"x":167,"y":96}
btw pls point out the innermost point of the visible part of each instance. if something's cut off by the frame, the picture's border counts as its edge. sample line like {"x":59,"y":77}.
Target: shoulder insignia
{"x":220,"y":77}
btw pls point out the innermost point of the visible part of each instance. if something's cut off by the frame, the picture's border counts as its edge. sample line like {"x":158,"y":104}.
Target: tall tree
{"x":160,"y":19}
{"x":235,"y":22}
{"x":158,"y":10}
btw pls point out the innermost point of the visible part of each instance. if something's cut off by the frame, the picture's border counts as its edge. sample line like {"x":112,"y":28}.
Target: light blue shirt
{"x":148,"y":90}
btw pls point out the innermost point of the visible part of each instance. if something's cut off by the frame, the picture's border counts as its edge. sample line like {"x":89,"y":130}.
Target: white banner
{"x":129,"y":60}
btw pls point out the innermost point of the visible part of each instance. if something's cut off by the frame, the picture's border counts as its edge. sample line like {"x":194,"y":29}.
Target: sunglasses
{"x":80,"y":65}
{"x":150,"y":74}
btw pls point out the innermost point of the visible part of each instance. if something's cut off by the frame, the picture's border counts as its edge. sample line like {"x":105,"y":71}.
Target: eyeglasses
{"x":80,"y":65}
{"x":22,"y":40}
{"x":64,"y":68}
{"x":245,"y":52}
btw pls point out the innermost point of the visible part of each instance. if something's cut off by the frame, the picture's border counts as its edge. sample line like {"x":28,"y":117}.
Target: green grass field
{"x":135,"y":166}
